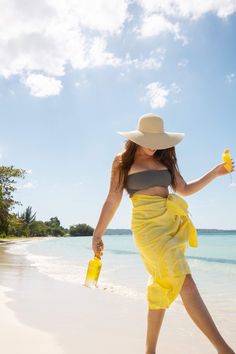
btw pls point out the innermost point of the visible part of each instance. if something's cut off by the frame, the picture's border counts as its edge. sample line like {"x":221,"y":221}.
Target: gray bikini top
{"x":147,"y":178}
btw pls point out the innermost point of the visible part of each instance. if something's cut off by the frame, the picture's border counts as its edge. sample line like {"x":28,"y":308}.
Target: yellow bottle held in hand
{"x":227,"y":159}
{"x":93,"y":271}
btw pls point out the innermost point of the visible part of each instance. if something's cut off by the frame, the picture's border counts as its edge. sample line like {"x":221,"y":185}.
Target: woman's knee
{"x":189,"y":286}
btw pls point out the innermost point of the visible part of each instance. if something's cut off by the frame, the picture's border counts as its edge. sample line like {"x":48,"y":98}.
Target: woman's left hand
{"x":220,"y":170}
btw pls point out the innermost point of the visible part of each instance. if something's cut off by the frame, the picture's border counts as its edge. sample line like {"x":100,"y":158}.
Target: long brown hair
{"x":166,"y":156}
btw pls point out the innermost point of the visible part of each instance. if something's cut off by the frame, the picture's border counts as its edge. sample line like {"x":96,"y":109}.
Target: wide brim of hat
{"x":154,"y":140}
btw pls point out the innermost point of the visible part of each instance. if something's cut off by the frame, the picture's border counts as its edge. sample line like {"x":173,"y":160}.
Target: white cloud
{"x":230,"y":78}
{"x":154,"y":61}
{"x":156,"y":24}
{"x":27,"y":185}
{"x":157,"y":94}
{"x":42,"y":86}
{"x":183,"y":63}
{"x":161,"y":17}
{"x":175,"y":88}
{"x":193,"y":9}
{"x":82,"y":83}
{"x":99,"y":15}
{"x":99,"y":56}
{"x":47,"y":35}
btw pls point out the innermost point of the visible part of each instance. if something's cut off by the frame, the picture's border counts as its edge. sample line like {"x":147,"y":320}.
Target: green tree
{"x":38,"y":228}
{"x":53,"y":222}
{"x":81,"y":230}
{"x":27,"y":216}
{"x":16,"y":225}
{"x":54,"y":227}
{"x":8,"y":177}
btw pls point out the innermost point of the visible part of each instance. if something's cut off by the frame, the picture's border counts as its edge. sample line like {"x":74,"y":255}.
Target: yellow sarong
{"x":161,"y":228}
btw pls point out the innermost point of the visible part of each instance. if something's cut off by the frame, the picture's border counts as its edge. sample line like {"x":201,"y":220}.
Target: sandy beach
{"x":41,"y":315}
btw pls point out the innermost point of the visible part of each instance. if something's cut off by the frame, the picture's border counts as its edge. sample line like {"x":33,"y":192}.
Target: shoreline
{"x":78,"y":319}
{"x":71,"y":319}
{"x":12,"y":239}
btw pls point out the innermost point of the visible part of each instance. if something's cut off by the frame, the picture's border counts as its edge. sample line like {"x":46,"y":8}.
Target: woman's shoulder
{"x":117,"y":159}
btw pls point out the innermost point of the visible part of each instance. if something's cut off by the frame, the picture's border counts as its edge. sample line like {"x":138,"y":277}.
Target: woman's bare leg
{"x":198,"y":312}
{"x":155,"y":318}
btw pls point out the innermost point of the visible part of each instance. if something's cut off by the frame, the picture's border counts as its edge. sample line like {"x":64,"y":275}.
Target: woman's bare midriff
{"x":157,"y":191}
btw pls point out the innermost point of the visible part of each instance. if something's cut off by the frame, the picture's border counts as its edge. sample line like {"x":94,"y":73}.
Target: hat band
{"x":152,"y":132}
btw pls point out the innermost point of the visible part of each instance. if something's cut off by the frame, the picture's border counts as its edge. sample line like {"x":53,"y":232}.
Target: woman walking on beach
{"x":160,"y":224}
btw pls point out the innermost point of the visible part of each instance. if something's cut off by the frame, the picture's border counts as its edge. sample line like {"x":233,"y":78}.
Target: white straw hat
{"x":150,"y":133}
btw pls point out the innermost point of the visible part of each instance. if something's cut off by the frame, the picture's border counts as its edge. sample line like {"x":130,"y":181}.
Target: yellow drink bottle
{"x":93,"y":271}
{"x":227,"y":159}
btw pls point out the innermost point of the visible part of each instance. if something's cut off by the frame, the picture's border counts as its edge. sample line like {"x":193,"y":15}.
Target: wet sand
{"x":41,"y":315}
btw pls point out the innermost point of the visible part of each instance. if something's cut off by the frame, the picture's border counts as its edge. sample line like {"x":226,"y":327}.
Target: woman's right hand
{"x":97,"y":245}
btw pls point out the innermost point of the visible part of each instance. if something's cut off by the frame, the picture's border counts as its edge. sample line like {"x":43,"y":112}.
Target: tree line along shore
{"x":24,"y":224}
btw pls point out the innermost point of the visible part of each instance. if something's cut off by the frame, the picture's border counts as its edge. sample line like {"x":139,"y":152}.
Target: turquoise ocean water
{"x":213,"y":265}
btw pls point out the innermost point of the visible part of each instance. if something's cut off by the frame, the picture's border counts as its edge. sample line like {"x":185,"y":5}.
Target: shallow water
{"x":213,"y":264}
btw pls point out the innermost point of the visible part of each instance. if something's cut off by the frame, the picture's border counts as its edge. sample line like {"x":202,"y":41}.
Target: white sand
{"x":15,"y":337}
{"x":44,"y":316}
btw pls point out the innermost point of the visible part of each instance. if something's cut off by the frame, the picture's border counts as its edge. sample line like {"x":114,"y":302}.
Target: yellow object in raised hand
{"x":227,"y":159}
{"x":93,"y":271}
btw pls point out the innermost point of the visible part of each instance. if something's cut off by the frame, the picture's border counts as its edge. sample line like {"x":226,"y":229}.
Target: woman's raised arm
{"x":185,"y":189}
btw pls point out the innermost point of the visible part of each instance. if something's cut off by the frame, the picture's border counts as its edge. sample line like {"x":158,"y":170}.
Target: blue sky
{"x":72,"y":75}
